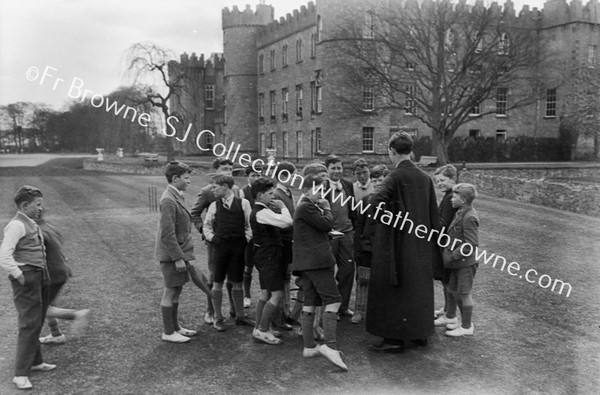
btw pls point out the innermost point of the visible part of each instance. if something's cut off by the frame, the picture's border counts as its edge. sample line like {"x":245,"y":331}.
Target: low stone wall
{"x":536,"y":186}
{"x":154,"y":169}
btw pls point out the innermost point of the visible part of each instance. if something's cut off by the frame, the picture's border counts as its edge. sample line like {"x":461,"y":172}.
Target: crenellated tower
{"x":240,"y":32}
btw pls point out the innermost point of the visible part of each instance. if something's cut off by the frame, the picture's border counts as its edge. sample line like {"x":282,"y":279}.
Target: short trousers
{"x":229,"y":260}
{"x":319,"y":287}
{"x":461,"y":279}
{"x":172,"y":277}
{"x":271,"y":268}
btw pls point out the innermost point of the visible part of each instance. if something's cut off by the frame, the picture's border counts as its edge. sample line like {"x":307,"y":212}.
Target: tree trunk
{"x":439,"y":147}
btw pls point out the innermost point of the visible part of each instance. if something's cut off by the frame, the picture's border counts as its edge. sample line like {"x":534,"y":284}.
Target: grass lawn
{"x":527,"y":339}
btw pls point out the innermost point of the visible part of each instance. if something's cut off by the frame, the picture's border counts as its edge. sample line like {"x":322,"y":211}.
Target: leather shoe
{"x":219,"y":325}
{"x":387,"y":348}
{"x":186,"y":332}
{"x":22,"y":382}
{"x":62,"y":339}
{"x":43,"y":367}
{"x":175,"y":337}
{"x":245,"y":321}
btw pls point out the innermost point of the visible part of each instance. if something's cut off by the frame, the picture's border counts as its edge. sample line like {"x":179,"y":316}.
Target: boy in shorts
{"x":268,"y":256}
{"x":459,"y":258}
{"x":313,"y":259}
{"x":174,"y":249}
{"x":227,"y":226}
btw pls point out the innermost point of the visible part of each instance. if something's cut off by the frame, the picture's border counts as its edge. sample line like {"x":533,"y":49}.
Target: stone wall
{"x":558,"y":187}
{"x":149,"y":169}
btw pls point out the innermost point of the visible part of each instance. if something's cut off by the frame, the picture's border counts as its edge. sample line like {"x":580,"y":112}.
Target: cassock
{"x":400,"y":301}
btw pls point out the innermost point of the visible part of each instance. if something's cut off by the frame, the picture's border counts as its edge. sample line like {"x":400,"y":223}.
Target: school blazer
{"x":311,"y":248}
{"x":464,"y":226}
{"x":174,"y":233}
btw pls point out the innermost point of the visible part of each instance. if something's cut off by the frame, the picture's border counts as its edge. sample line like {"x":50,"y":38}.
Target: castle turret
{"x":240,"y":31}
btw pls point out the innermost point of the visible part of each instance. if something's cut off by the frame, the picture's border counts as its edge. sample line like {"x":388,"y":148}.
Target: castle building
{"x":281,"y":90}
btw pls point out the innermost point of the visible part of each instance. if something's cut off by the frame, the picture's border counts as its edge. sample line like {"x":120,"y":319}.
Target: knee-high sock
{"x":307,"y":322}
{"x":247,"y":283}
{"x":167,"y":316}
{"x":238,"y":302}
{"x":217,"y":298}
{"x":210,"y":309}
{"x":175,"y":318}
{"x":260,"y":305}
{"x":54,"y":329}
{"x":231,"y":300}
{"x":445,"y":290}
{"x":451,"y":312}
{"x":467,"y":313}
{"x":330,"y":327}
{"x":268,"y":315}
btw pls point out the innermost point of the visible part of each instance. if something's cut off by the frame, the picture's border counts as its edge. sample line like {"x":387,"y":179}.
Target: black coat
{"x":400,"y":301}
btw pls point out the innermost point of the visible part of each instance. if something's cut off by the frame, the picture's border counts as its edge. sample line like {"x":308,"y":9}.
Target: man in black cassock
{"x":400,"y":301}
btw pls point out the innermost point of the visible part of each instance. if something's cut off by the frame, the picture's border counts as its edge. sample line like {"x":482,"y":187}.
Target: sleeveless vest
{"x":30,"y":249}
{"x":230,"y":223}
{"x":263,"y":235}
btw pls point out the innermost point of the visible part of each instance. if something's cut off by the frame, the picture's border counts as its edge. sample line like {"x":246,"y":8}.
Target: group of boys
{"x":317,"y":239}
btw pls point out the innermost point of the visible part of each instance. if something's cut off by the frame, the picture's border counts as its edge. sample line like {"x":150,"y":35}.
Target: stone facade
{"x":265,"y":58}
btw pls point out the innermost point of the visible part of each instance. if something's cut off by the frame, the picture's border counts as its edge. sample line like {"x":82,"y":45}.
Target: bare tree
{"x":148,"y":65}
{"x":437,"y":62}
{"x":19,"y":116}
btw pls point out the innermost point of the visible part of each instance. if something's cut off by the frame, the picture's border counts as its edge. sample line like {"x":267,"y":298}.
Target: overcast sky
{"x":87,"y":39}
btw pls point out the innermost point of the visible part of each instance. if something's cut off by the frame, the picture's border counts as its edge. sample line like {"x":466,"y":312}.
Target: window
{"x":475,"y":110}
{"x":501,"y":101}
{"x":313,"y":45}
{"x":299,"y":100}
{"x":299,"y":50}
{"x":261,"y":107}
{"x":273,"y":142}
{"x":551,"y":103}
{"x":284,"y":56}
{"x":313,"y":139}
{"x":318,"y":139}
{"x":299,"y":145}
{"x":261,"y":64}
{"x":272,"y":103}
{"x":368,"y":98}
{"x":319,"y":99}
{"x":285,"y":147}
{"x":410,"y":106}
{"x":224,"y":111}
{"x":367,"y":139}
{"x":591,"y":57}
{"x":474,"y":133}
{"x":209,"y":140}
{"x":261,"y":145}
{"x":410,"y":66}
{"x":504,"y":44}
{"x":369,"y":28}
{"x":285,"y":97}
{"x":209,"y":97}
{"x":500,"y":135}
{"x":319,"y":28}
{"x":313,"y":97}
{"x":272,"y":60}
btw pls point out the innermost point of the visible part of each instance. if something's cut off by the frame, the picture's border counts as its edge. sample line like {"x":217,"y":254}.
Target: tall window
{"x":261,"y":144}
{"x":313,"y":45}
{"x":272,"y":59}
{"x":284,"y":56}
{"x":299,"y":50}
{"x":368,"y":98}
{"x":319,"y":28}
{"x":318,"y":139}
{"x":261,"y":64}
{"x":410,"y":106}
{"x":261,"y":107}
{"x":313,"y":97}
{"x":367,"y":139}
{"x":551,"y":103}
{"x":299,"y":145}
{"x":319,"y":99}
{"x":369,"y":28}
{"x":273,"y":142}
{"x":209,"y":97}
{"x":501,"y":102}
{"x":591,"y":56}
{"x":272,"y":103}
{"x":285,"y":97}
{"x":224,"y":111}
{"x":286,"y":150}
{"x":299,"y":100}
{"x":504,"y":44}
{"x":475,"y":110}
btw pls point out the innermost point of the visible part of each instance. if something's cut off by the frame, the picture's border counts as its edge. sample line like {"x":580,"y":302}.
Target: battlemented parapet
{"x":293,"y":23}
{"x":263,"y":15}
{"x":558,"y":12}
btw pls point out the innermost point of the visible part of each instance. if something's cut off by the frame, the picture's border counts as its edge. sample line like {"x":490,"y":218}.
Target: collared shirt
{"x":285,"y":189}
{"x":13,"y":232}
{"x":361,"y":190}
{"x":270,"y":217}
{"x":208,"y":228}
